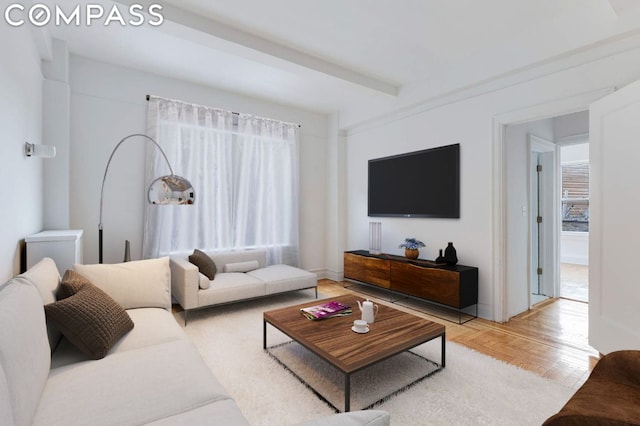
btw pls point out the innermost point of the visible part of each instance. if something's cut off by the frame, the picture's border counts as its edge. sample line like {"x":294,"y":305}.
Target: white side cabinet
{"x":63,"y":246}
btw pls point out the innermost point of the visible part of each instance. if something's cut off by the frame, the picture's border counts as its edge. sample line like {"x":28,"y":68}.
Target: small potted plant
{"x":411,"y":246}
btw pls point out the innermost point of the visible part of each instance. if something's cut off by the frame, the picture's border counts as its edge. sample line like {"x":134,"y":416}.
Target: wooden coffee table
{"x":332,"y":339}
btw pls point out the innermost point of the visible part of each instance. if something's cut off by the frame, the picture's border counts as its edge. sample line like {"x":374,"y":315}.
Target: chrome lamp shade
{"x":165,"y":190}
{"x":171,"y":189}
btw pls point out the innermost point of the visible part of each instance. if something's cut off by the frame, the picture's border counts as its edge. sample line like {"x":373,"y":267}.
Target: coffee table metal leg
{"x":264,"y":335}
{"x":347,"y":392}
{"x":444,"y":340}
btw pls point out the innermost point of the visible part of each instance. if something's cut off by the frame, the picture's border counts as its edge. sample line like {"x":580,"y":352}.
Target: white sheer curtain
{"x":266,"y":182}
{"x":244,"y":171}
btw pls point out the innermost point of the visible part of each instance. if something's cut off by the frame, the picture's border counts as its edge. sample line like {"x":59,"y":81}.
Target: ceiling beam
{"x":262,"y":45}
{"x":623,"y":6}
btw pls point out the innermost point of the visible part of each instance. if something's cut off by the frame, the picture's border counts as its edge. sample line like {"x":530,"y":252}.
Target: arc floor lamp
{"x":169,"y":189}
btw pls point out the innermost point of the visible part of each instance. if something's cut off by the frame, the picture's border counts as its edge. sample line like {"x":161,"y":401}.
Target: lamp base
{"x":100,"y":244}
{"x":127,"y":251}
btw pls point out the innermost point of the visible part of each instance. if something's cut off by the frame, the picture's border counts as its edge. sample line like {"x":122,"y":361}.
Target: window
{"x":244,"y":170}
{"x":575,"y":196}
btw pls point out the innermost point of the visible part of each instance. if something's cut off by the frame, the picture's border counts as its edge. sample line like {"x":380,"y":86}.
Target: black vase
{"x":450,"y":255}
{"x":440,"y":259}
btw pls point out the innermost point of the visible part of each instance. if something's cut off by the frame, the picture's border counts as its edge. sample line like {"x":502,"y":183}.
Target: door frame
{"x":550,"y":250}
{"x":568,"y":105}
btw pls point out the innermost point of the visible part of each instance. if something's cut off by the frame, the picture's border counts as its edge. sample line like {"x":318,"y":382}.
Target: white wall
{"x":574,"y":247}
{"x":573,"y":153}
{"x":20,"y":120}
{"x":469,"y":122}
{"x":108,"y":103}
{"x":336,"y":201}
{"x":459,"y":123}
{"x":55,"y":125}
{"x":573,"y":124}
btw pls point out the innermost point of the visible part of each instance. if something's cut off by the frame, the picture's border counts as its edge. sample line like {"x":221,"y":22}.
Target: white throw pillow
{"x":137,"y":284}
{"x":247,"y":266}
{"x":204,"y":281}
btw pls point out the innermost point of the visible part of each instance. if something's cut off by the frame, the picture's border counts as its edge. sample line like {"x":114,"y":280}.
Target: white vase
{"x":375,"y":237}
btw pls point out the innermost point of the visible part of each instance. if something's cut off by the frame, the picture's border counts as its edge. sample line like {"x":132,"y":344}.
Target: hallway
{"x":574,"y":282}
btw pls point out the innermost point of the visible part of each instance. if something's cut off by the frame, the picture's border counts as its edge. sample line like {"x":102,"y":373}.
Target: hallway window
{"x":575,"y":196}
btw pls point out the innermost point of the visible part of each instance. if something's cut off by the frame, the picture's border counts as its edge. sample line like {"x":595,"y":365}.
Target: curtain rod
{"x":232,"y":112}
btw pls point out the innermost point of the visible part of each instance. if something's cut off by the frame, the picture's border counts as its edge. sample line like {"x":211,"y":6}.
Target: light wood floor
{"x":550,"y":340}
{"x":574,"y":282}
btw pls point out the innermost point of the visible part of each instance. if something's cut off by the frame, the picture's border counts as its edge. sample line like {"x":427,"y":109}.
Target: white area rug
{"x":369,"y":387}
{"x":473,"y":389}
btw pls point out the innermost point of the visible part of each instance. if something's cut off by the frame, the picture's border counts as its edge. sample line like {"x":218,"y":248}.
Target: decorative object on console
{"x":450,"y":254}
{"x":440,"y":258}
{"x":411,"y":253}
{"x":169,"y":189}
{"x":375,"y":237}
{"x":411,"y":246}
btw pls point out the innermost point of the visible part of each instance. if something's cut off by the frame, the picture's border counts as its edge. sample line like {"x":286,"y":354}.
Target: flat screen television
{"x":416,"y":184}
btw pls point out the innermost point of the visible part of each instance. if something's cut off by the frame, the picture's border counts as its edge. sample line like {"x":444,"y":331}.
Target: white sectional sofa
{"x":193,"y":290}
{"x":152,"y":375}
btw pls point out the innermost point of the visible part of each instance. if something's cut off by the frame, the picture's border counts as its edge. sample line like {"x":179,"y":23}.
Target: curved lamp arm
{"x":173,"y":188}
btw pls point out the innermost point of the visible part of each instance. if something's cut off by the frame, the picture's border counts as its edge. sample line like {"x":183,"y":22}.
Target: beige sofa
{"x":152,"y":375}
{"x":193,"y":290}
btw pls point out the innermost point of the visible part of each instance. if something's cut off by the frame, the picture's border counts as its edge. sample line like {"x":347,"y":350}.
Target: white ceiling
{"x":356,"y":57}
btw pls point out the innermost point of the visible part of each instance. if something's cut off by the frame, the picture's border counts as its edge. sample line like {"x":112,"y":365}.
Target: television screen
{"x":417,"y":184}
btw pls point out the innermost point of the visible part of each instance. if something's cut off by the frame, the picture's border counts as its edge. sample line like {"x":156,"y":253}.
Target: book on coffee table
{"x":326,"y":310}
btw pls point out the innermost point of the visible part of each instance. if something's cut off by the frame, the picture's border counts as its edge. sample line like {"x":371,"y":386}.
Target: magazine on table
{"x":326,"y":310}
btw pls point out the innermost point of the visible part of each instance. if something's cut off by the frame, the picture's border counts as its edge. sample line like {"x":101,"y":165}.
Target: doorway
{"x":534,"y":210}
{"x":574,"y":239}
{"x":502,"y":204}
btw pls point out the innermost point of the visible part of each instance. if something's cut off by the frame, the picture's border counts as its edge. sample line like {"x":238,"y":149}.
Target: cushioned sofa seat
{"x":221,"y":413}
{"x":283,"y":278}
{"x":151,"y":327}
{"x":130,"y":387}
{"x":229,"y":287}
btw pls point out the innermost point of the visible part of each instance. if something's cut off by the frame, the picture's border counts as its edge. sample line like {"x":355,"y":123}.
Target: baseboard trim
{"x":324,"y":273}
{"x":334,"y":275}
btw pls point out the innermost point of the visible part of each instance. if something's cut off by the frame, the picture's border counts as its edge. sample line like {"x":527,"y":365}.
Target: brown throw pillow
{"x":87,"y":316}
{"x":70,"y":284}
{"x":204,"y":263}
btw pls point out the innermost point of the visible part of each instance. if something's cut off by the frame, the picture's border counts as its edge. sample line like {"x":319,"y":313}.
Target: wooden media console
{"x":454,"y":287}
